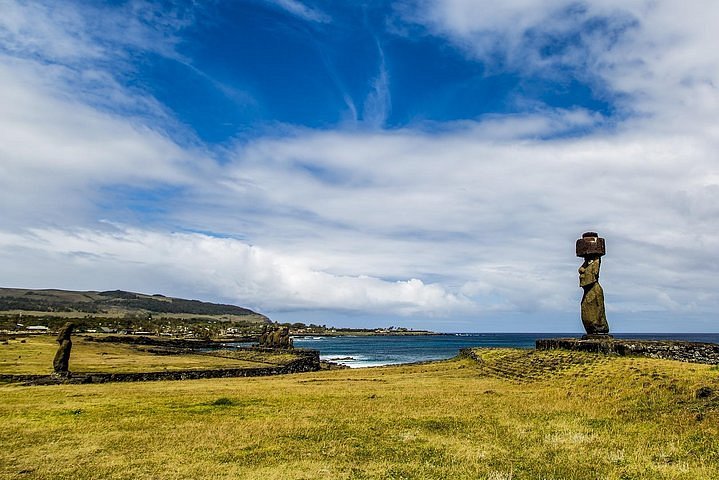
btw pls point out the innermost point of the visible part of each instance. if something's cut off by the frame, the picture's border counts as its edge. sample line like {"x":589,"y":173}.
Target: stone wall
{"x":470,"y":353}
{"x":666,"y":349}
{"x":309,"y":361}
{"x":182,"y":343}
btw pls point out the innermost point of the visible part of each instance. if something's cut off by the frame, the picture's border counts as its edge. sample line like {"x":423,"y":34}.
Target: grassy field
{"x":517,"y":415}
{"x":35,"y":356}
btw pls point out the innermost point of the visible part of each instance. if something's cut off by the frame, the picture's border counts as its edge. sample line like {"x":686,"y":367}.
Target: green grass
{"x":35,"y":356}
{"x":516,"y":415}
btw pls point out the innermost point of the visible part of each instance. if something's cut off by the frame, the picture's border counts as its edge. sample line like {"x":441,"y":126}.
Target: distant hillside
{"x":115,"y":302}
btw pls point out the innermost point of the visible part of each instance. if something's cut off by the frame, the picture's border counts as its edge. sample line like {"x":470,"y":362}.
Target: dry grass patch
{"x":613,"y":418}
{"x":35,"y":355}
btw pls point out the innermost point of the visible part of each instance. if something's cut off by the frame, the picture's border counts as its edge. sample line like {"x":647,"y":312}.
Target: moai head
{"x":65,"y":332}
{"x":591,"y":247}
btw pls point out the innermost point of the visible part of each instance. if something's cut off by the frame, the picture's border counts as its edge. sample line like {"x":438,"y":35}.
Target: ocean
{"x":373,"y":351}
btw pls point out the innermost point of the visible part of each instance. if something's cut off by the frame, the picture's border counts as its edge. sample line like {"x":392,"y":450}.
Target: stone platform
{"x":308,"y":361}
{"x":666,"y":349}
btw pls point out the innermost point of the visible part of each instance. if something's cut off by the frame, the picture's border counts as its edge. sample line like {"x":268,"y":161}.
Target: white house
{"x":38,"y":328}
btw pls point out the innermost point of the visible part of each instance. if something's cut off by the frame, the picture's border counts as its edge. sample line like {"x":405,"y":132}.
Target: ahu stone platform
{"x":308,"y":361}
{"x":666,"y":349}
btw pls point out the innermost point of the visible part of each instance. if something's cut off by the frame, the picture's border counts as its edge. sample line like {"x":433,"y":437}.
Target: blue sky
{"x":245,"y":67}
{"x":424,"y":163}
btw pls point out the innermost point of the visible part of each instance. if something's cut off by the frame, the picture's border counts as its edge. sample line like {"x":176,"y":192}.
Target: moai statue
{"x":592,"y":247}
{"x":285,"y":340}
{"x":263,"y":336}
{"x":276,"y":337}
{"x":61,"y":363}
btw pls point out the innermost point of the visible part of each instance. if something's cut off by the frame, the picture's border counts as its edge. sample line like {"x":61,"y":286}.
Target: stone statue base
{"x":695,"y":352}
{"x":597,"y":336}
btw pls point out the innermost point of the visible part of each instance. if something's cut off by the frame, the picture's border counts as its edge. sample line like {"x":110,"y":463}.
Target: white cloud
{"x":378,"y":104}
{"x":517,"y":33}
{"x":659,"y":54}
{"x":301,"y":10}
{"x":57,"y":153}
{"x":69,"y":128}
{"x":82,"y":33}
{"x":472,"y":207}
{"x":42,"y":30}
{"x":193,"y":263}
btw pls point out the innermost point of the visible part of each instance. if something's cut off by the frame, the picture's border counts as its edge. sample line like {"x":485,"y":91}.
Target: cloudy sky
{"x":422,"y":163}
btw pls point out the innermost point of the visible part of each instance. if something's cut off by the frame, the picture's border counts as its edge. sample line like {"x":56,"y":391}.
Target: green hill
{"x":54,"y":306}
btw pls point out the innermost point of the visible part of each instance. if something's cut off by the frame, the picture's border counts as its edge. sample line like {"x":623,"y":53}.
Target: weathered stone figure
{"x":285,"y":341}
{"x":61,"y":363}
{"x":278,"y":337}
{"x":275,"y":337}
{"x":591,"y":247}
{"x":263,"y":336}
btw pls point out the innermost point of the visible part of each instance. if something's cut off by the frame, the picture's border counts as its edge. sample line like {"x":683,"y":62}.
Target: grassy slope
{"x":116,"y":305}
{"x":520,"y":415}
{"x":36,"y":354}
{"x":33,"y":316}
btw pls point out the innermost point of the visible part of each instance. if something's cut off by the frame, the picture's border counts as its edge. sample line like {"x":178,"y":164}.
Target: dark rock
{"x":694,"y":352}
{"x":160,"y":342}
{"x":326,"y":365}
{"x":470,"y":353}
{"x":704,"y":392}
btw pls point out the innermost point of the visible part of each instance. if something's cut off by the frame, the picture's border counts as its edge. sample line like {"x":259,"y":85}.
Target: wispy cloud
{"x":85,"y":33}
{"x":85,"y":53}
{"x":378,"y":104}
{"x":302,"y":11}
{"x":650,"y":57}
{"x":51,"y":145}
{"x":525,"y":34}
